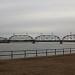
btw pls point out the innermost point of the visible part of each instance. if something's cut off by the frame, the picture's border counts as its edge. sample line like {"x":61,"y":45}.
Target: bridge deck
{"x":34,"y":41}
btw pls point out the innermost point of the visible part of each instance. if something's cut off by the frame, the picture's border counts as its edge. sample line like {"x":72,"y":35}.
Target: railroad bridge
{"x":40,"y":38}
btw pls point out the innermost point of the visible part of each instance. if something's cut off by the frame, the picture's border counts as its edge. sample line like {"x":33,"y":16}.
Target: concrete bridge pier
{"x":33,"y":42}
{"x":61,"y":42}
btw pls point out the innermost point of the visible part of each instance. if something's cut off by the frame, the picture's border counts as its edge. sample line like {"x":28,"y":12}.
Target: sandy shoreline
{"x":54,"y":65}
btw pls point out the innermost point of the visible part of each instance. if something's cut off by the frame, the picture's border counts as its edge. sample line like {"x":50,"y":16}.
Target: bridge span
{"x":40,"y":38}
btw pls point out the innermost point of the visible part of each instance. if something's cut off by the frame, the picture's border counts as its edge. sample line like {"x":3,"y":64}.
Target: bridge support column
{"x":33,"y":42}
{"x":61,"y":42}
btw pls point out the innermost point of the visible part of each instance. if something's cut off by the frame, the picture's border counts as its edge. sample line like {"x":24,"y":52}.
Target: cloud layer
{"x":37,"y":16}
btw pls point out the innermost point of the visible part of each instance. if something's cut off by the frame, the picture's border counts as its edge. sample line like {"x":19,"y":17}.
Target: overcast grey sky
{"x":37,"y":16}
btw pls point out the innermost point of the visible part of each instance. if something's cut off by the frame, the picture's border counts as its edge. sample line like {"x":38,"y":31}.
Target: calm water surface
{"x":30,"y":46}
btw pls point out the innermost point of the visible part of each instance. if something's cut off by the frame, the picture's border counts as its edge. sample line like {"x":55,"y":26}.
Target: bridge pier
{"x":61,"y":42}
{"x":33,"y":42}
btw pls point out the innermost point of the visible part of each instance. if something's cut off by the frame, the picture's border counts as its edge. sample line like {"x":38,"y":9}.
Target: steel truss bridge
{"x":40,"y":38}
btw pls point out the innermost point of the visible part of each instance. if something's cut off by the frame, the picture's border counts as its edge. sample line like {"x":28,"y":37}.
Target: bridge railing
{"x":35,"y":53}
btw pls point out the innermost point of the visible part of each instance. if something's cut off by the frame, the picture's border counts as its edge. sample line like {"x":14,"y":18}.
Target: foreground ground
{"x":56,"y":65}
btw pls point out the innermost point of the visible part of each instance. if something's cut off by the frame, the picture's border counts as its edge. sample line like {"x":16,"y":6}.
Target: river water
{"x":29,"y":46}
